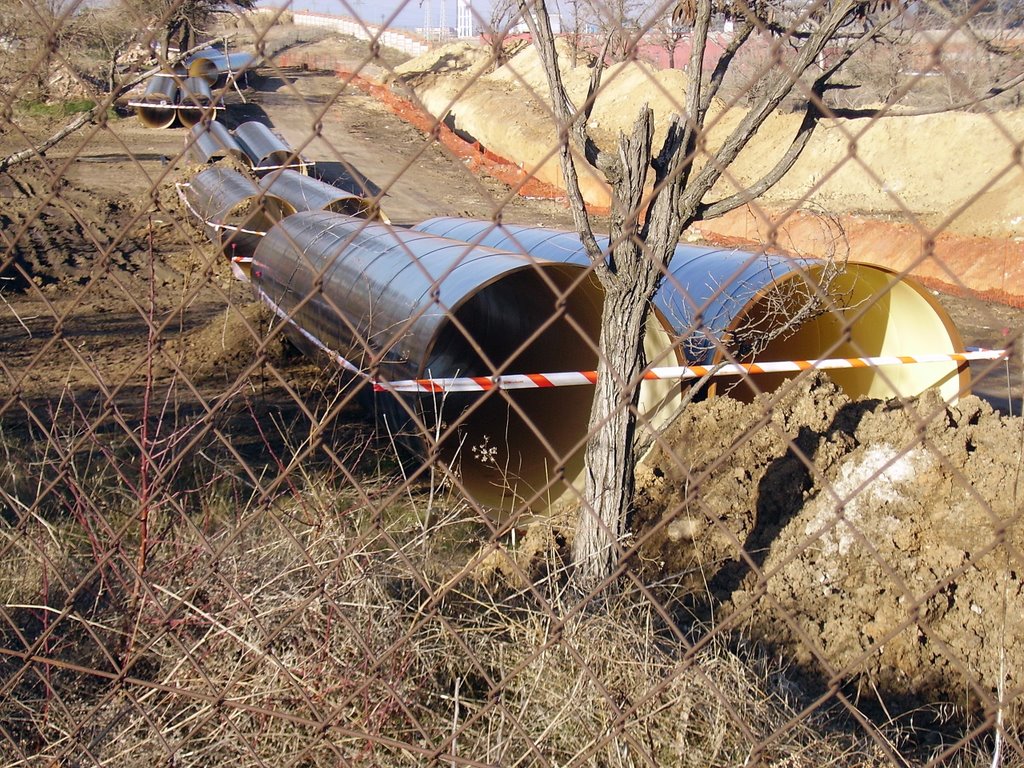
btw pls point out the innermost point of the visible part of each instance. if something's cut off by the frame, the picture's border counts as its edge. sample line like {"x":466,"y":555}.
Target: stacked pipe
{"x":172,"y":97}
{"x":157,"y":106}
{"x":195,"y":102}
{"x":712,"y":298}
{"x":210,"y":65}
{"x":186,"y":95}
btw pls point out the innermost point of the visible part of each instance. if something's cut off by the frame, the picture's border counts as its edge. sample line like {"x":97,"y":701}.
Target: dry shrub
{"x":313,"y":633}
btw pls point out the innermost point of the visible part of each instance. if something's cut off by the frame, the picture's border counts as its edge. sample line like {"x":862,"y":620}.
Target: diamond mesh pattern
{"x":226,"y":539}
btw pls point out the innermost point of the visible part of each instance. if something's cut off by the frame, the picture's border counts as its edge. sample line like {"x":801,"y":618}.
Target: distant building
{"x":464,"y":19}
{"x":436,"y":34}
{"x":556,"y":25}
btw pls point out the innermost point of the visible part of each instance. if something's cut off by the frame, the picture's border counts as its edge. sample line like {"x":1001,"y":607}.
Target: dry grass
{"x":342,"y":624}
{"x":317,"y":631}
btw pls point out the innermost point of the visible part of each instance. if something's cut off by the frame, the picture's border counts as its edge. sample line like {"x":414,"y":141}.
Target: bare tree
{"x":107,"y":32}
{"x":182,"y":21}
{"x":504,"y":16}
{"x":668,"y":32}
{"x":647,"y":221}
{"x":33,"y":35}
{"x":618,"y":21}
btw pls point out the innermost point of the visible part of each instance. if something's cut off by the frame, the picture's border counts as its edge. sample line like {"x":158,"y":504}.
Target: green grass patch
{"x":61,"y":108}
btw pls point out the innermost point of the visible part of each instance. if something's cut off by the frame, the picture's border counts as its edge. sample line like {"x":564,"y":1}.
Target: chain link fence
{"x":314,"y":402}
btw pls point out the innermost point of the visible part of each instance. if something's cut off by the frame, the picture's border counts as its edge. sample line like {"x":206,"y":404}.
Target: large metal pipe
{"x":265,"y":149}
{"x":212,"y":141}
{"x":724,"y":299}
{"x":407,"y":304}
{"x":195,"y":102}
{"x":234,"y":210}
{"x":308,"y":194}
{"x":211,"y":65}
{"x":157,"y":104}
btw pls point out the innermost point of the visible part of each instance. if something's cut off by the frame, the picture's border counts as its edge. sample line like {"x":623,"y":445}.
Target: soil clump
{"x":868,"y":540}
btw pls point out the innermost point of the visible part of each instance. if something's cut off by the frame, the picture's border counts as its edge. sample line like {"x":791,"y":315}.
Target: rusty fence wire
{"x":302,"y":458}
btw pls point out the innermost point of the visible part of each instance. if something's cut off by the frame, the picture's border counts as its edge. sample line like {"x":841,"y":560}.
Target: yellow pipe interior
{"x":156,"y":117}
{"x":873,"y":312}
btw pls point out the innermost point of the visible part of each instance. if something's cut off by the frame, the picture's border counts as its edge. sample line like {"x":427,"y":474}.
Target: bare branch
{"x":565,"y":113}
{"x":780,"y":87}
{"x":723,"y":64}
{"x":812,"y":116}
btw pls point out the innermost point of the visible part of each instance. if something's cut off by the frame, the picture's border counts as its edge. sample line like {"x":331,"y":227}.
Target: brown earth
{"x":891,"y":185}
{"x":891,"y":166}
{"x":883,"y":544}
{"x":889,"y":540}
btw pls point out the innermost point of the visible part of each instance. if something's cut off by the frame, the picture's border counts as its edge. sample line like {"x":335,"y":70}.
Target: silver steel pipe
{"x":404,"y":304}
{"x":212,"y":141}
{"x":195,"y":102}
{"x":308,"y":194}
{"x":211,"y":65}
{"x":720,"y":300}
{"x":265,"y":149}
{"x":159,"y":102}
{"x":234,"y":211}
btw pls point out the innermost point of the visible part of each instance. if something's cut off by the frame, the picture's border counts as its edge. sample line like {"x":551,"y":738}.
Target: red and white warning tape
{"x":577,"y":378}
{"x":682,"y":372}
{"x":348,"y":366}
{"x":179,"y":186}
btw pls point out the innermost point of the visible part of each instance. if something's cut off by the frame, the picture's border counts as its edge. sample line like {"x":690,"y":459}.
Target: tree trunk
{"x":629,"y":277}
{"x":610,"y":449}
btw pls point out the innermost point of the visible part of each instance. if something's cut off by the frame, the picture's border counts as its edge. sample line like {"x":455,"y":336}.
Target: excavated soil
{"x":889,"y":166}
{"x":882,"y":543}
{"x":892,"y":185}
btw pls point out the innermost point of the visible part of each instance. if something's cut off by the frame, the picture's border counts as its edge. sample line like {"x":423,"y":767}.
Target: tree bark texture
{"x":629,"y":280}
{"x":608,"y":490}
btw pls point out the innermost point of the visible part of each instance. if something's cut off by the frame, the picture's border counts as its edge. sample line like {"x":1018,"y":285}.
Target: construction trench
{"x":458,"y":298}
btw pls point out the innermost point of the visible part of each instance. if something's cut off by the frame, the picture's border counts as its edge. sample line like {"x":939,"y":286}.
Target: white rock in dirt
{"x":865,"y":483}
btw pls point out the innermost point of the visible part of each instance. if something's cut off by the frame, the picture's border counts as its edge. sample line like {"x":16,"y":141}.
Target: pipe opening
{"x":507,"y":455}
{"x":878,"y":314}
{"x":195,"y":103}
{"x":158,"y":110}
{"x":212,"y":141}
{"x":244,"y":222}
{"x":306,"y":193}
{"x":264,"y":148}
{"x":205,"y":67}
{"x":236,"y":213}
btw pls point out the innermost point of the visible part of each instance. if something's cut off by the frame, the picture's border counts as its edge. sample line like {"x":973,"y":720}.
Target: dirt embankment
{"x":882,"y":543}
{"x":936,"y":195}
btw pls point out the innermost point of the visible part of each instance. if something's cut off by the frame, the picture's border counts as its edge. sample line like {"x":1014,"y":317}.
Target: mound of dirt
{"x":224,"y":347}
{"x":62,"y":233}
{"x":882,"y":542}
{"x":893,"y":166}
{"x":457,"y":60}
